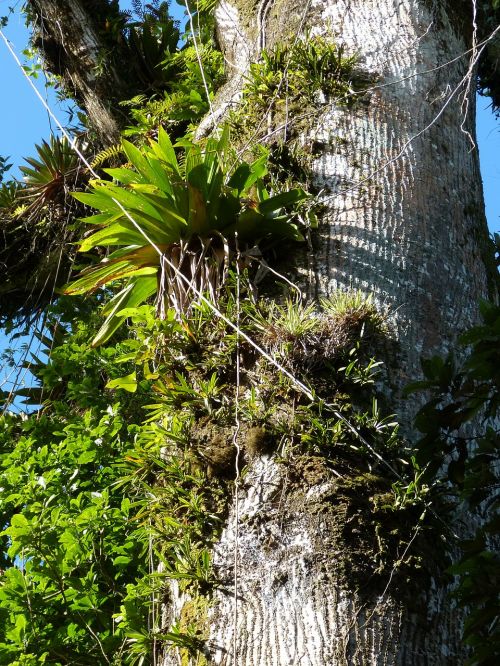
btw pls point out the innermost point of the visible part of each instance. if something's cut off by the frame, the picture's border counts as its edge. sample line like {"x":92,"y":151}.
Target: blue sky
{"x":24,"y":122}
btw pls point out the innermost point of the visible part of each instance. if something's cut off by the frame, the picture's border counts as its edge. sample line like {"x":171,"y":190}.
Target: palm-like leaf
{"x":186,"y":217}
{"x":55,"y":159}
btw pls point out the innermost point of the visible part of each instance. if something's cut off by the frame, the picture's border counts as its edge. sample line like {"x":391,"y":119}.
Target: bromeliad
{"x":177,"y":225}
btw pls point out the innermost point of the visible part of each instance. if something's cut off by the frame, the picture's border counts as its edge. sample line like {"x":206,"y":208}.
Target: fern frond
{"x":138,"y":100}
{"x":106,"y":154}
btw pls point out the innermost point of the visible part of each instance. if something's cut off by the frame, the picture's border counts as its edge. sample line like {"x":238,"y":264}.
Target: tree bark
{"x":399,"y":172}
{"x":403,"y":220}
{"x":78,"y":44}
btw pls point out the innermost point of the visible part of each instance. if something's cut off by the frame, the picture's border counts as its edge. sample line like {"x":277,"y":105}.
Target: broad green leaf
{"x":161,"y":179}
{"x":278,"y":201}
{"x":139,"y":161}
{"x":95,"y":277}
{"x":225,"y":210}
{"x":130,"y":199}
{"x":127,"y":383}
{"x":240,"y":177}
{"x":194,"y":158}
{"x":125,"y":176}
{"x":102,"y":218}
{"x":198,"y":178}
{"x":173,"y":222}
{"x":122,"y":560}
{"x":197,"y":221}
{"x":259,"y":169}
{"x":98,"y":199}
{"x":167,"y":150}
{"x":211,"y":155}
{"x":86,"y":457}
{"x":247,"y":175}
{"x":114,"y":234}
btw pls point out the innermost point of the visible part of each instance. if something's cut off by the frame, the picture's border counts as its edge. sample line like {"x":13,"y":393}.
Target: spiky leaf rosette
{"x":36,"y":229}
{"x":176,"y":225}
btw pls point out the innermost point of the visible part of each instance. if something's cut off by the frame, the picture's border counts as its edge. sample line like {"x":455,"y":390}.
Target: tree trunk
{"x":403,"y":220}
{"x":78,"y":43}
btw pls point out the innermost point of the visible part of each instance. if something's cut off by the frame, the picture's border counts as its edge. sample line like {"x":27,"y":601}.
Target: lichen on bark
{"x":403,"y":215}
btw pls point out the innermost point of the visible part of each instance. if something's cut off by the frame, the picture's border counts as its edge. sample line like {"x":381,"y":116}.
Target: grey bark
{"x":77,"y":43}
{"x":404,"y":220}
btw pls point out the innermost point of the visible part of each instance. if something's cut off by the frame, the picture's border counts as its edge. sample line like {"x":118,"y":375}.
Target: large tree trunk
{"x":79,"y":44}
{"x":403,"y":220}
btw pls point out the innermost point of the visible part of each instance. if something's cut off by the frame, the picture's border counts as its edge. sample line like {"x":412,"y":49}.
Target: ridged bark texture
{"x":71,"y":36}
{"x":399,"y":171}
{"x":294,"y":566}
{"x":403,"y":220}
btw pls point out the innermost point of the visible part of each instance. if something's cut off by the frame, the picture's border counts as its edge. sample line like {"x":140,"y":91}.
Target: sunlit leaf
{"x":127,"y":383}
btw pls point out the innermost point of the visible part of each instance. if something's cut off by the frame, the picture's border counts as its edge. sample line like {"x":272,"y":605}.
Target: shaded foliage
{"x":37,"y":229}
{"x":463,"y":396}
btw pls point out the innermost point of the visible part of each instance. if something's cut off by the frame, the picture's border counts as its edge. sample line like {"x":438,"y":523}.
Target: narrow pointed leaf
{"x":168,"y":150}
{"x":125,"y":176}
{"x":136,"y":292}
{"x":115,"y":234}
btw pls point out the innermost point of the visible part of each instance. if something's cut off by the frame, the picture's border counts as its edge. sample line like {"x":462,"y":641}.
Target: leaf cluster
{"x":460,"y":435}
{"x":176,"y":73}
{"x":87,"y":498}
{"x":294,"y":80}
{"x":178,"y":223}
{"x":309,"y":65}
{"x":36,"y":219}
{"x":71,"y":552}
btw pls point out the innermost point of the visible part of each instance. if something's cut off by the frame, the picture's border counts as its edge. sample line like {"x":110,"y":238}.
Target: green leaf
{"x":194,"y":158}
{"x":114,"y":234}
{"x":135,"y":293}
{"x":122,"y":560}
{"x":138,"y":160}
{"x":127,"y":383}
{"x":278,"y":201}
{"x":198,"y":178}
{"x":240,"y":177}
{"x":95,"y":277}
{"x":86,"y":457}
{"x":125,"y":176}
{"x":167,"y":150}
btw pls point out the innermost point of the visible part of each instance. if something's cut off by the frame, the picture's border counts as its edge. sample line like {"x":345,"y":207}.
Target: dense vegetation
{"x":167,"y":372}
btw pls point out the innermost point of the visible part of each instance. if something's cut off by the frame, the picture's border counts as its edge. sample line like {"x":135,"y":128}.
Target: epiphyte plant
{"x":176,"y":225}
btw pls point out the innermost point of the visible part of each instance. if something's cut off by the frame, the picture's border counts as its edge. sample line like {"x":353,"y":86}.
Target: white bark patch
{"x":235,"y":41}
{"x":404,"y":220}
{"x":405,"y":215}
{"x":291,"y":609}
{"x":238,"y":52}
